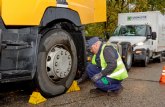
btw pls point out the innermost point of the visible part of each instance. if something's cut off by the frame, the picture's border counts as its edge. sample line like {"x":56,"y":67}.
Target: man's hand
{"x":96,"y":77}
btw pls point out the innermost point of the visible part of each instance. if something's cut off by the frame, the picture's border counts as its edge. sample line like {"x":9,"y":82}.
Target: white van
{"x":141,"y":36}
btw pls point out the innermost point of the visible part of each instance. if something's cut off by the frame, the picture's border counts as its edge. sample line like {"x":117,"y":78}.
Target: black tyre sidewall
{"x":145,"y":62}
{"x":160,"y":59}
{"x":45,"y":85}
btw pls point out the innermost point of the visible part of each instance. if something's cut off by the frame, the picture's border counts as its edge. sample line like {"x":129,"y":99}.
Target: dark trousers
{"x":112,"y":85}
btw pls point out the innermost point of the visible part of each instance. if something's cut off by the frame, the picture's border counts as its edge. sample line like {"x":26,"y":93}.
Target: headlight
{"x":140,"y":43}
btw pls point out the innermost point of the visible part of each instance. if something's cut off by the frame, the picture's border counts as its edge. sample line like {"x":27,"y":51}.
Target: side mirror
{"x":154,"y":35}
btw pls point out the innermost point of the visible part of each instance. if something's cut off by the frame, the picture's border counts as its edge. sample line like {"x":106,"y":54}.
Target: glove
{"x":96,"y":77}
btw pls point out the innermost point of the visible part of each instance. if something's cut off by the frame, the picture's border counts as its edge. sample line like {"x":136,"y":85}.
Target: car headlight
{"x":140,"y":43}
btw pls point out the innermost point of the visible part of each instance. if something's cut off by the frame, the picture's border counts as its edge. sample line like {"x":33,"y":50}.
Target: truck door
{"x":149,"y":41}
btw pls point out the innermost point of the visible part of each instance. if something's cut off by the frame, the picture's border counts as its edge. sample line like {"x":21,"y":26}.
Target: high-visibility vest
{"x":119,"y":73}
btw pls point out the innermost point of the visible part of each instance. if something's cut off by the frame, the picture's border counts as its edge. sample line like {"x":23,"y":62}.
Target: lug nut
{"x":58,"y":56}
{"x":57,"y":71}
{"x":56,"y":64}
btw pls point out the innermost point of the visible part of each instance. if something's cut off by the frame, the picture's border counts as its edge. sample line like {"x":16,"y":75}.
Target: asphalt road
{"x":141,"y":89}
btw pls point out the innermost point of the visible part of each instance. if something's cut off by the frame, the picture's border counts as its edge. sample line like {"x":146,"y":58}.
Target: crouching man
{"x":106,"y":69}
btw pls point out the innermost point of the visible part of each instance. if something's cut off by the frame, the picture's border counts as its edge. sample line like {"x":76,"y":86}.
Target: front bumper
{"x":139,"y":54}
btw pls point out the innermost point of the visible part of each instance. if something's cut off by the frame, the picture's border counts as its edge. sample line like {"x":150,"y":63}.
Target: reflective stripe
{"x":163,"y":73}
{"x":119,"y":62}
{"x":116,"y":73}
{"x":163,"y":70}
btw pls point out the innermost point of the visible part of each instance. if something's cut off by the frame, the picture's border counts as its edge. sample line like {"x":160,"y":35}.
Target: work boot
{"x":118,"y":91}
{"x":115,"y":92}
{"x":96,"y":91}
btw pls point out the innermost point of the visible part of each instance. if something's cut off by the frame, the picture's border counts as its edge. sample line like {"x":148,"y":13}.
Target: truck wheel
{"x":159,"y":59}
{"x":146,"y":61}
{"x":128,"y":58}
{"x":57,"y":63}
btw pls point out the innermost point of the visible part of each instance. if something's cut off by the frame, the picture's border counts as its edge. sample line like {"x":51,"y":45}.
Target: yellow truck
{"x":43,"y":40}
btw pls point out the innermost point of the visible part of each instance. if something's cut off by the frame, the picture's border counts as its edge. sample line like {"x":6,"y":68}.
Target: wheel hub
{"x":58,"y":63}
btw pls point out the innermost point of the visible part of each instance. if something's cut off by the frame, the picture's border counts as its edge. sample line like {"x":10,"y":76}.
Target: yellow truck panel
{"x":24,"y":12}
{"x":30,"y":12}
{"x":99,"y":10}
{"x":84,"y":8}
{"x":0,"y":6}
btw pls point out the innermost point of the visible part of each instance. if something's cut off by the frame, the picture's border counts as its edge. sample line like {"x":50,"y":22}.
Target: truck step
{"x":12,"y":75}
{"x":20,"y":44}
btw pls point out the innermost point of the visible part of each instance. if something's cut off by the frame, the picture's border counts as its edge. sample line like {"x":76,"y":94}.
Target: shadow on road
{"x":13,"y":92}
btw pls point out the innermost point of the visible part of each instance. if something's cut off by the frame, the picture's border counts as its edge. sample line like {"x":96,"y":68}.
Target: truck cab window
{"x":130,"y":30}
{"x":123,"y":31}
{"x":116,"y":32}
{"x":140,"y":30}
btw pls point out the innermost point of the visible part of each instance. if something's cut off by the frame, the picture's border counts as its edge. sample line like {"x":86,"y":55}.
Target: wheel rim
{"x":58,"y":63}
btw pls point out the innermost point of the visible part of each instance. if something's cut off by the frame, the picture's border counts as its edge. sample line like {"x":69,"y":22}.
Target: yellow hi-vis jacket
{"x":119,"y":73}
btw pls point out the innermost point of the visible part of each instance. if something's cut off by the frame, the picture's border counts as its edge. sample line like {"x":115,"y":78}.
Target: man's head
{"x":93,"y":44}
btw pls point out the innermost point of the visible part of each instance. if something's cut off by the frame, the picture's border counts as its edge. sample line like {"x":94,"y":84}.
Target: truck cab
{"x":141,"y":39}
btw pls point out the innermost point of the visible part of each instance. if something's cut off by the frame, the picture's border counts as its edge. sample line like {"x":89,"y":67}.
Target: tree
{"x":113,"y":8}
{"x":122,"y":6}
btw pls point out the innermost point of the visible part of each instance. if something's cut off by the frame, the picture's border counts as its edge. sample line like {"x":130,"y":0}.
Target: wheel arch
{"x":53,"y":14}
{"x":71,"y":23}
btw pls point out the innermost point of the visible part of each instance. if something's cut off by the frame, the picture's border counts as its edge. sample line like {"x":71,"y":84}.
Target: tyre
{"x":159,"y":59}
{"x":128,"y":57}
{"x":57,"y":63}
{"x":146,"y":61}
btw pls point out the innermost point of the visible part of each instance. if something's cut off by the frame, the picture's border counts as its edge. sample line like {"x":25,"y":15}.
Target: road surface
{"x":141,"y":89}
